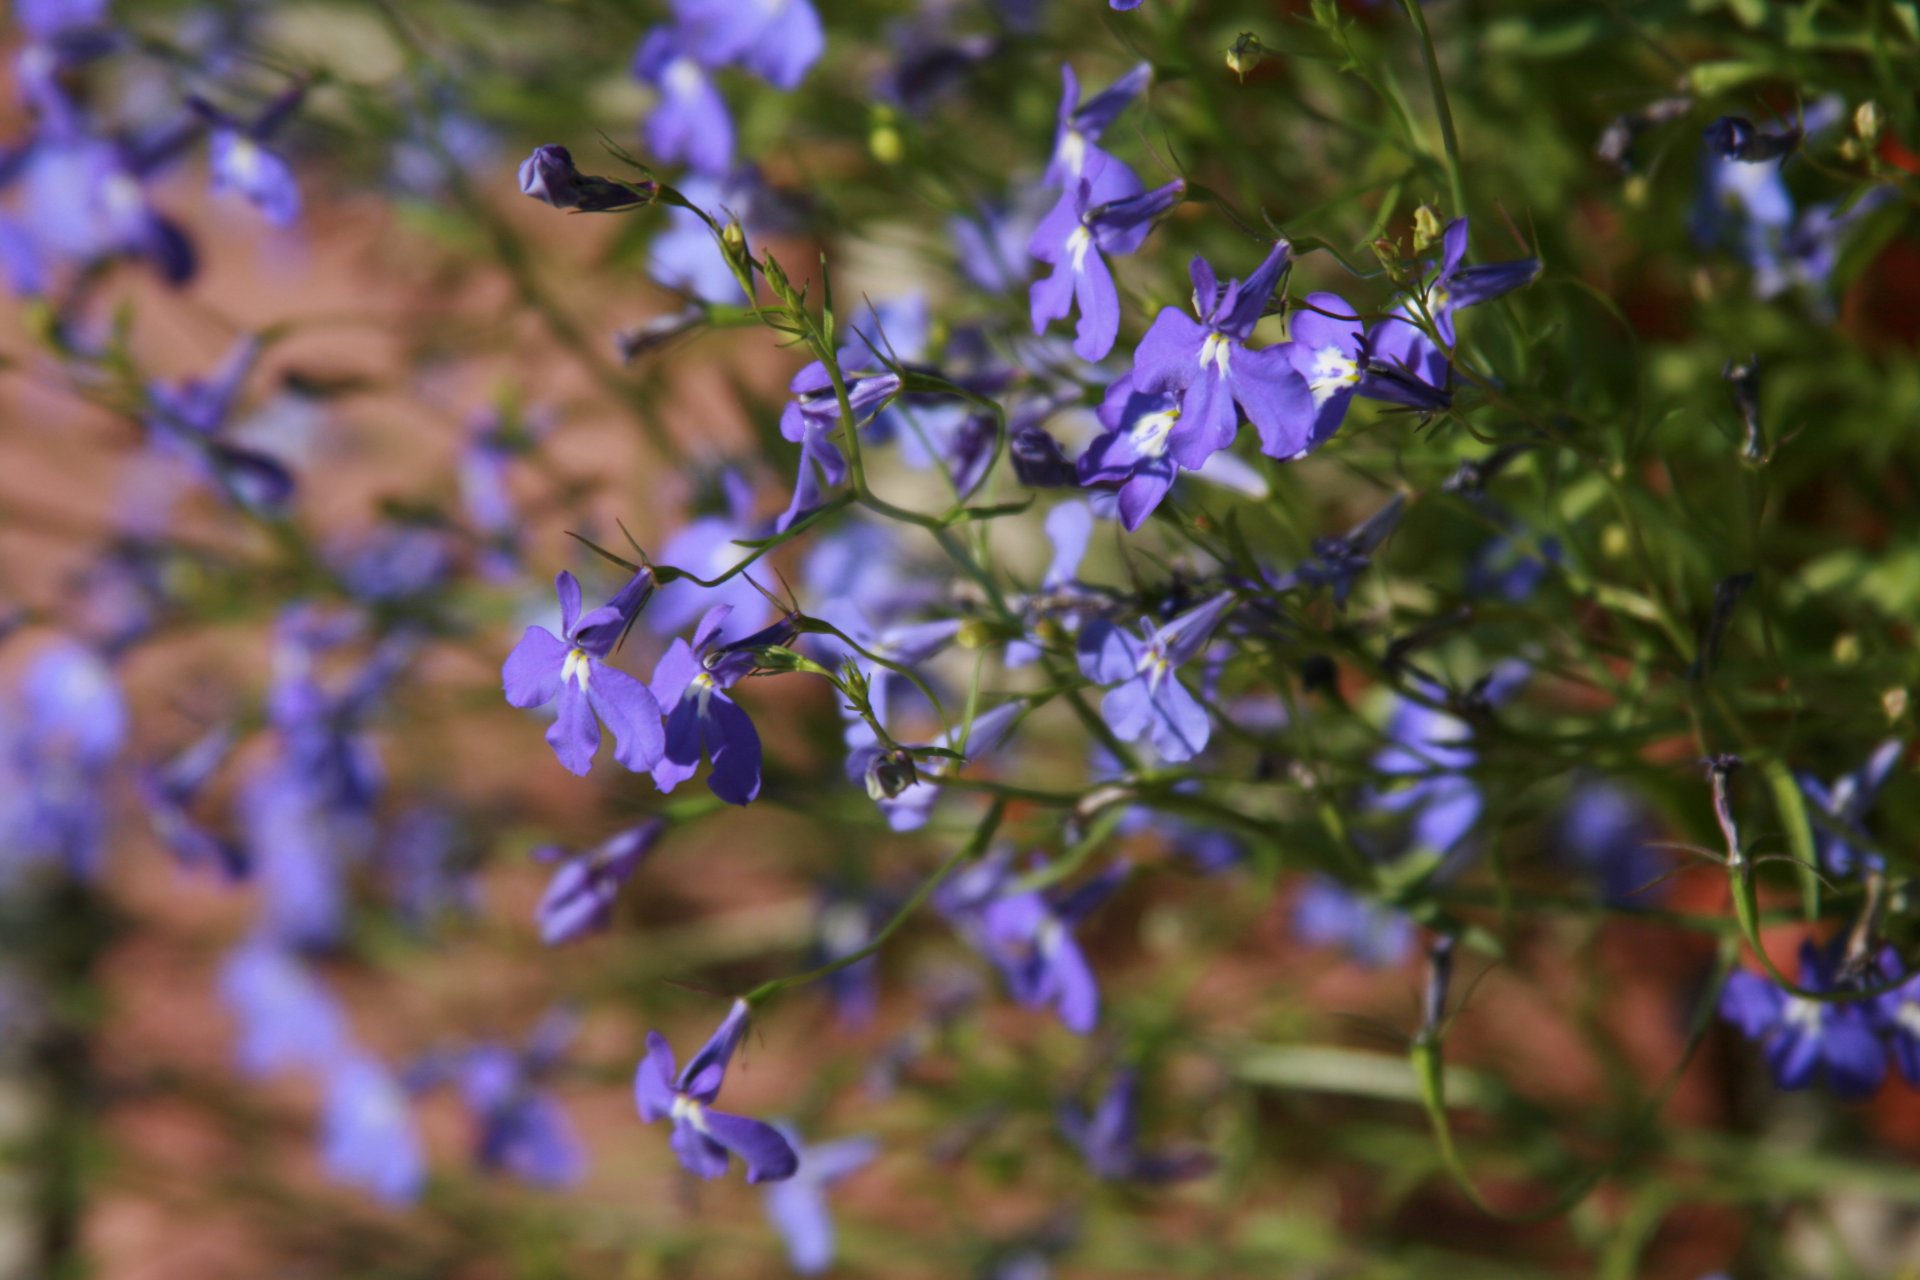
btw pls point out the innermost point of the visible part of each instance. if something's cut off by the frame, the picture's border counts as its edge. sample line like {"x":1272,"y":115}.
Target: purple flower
{"x":368,"y":1137}
{"x":1807,"y":1038}
{"x":1846,"y":804}
{"x":1608,"y":832}
{"x":1131,"y":457}
{"x":549,"y":176}
{"x":690,"y":121}
{"x":1435,"y":748}
{"x":242,"y":164}
{"x":1327,"y":914}
{"x":1898,"y":1014}
{"x":797,"y":1207}
{"x":777,"y":40}
{"x":72,"y":706}
{"x":1104,"y":213}
{"x":1076,"y":150}
{"x":579,"y":899}
{"x":544,"y":668}
{"x":909,"y":809}
{"x":1326,"y":347}
{"x":702,"y":721}
{"x":288,"y":1019}
{"x":521,"y":1128}
{"x":1208,"y":364}
{"x":1109,"y":1140}
{"x":1458,"y":286}
{"x":702,"y":1137}
{"x":168,"y":791}
{"x":1144,"y":696}
{"x":1337,"y":563}
{"x":1028,"y":936}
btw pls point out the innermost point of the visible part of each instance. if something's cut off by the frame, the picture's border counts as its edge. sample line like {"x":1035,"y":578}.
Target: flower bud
{"x":1426,"y":228}
{"x":1867,"y":121}
{"x":1245,"y":54}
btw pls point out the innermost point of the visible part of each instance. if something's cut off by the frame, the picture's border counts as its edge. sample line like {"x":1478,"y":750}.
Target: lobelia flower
{"x":570,"y":669}
{"x":777,"y":40}
{"x":1207,"y":363}
{"x":242,"y":164}
{"x":1326,"y":345}
{"x":520,"y":1128}
{"x":702,"y":721}
{"x":168,"y":791}
{"x":189,"y":420}
{"x":1458,"y":286}
{"x":288,"y":1019}
{"x":1328,"y":914}
{"x":579,"y":899}
{"x":797,"y":1207}
{"x":1104,"y":213}
{"x":1131,"y":458}
{"x":703,"y":1138}
{"x":690,"y":121}
{"x":909,"y":808}
{"x":1607,"y":831}
{"x":1337,"y":563}
{"x":1109,"y":1140}
{"x":549,"y":176}
{"x":1028,"y":935}
{"x":1076,"y":138}
{"x":1846,"y":803}
{"x":57,"y":744}
{"x":367,"y":1134}
{"x":1436,"y":749}
{"x":84,"y":199}
{"x":1144,"y":697}
{"x":1805,"y":1039}
{"x":1898,"y":1014}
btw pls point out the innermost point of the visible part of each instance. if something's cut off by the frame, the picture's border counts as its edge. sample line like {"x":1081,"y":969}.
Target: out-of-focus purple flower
{"x":1076,"y":149}
{"x":1846,"y":804}
{"x":1608,"y":832}
{"x":690,"y":121}
{"x":1109,"y":1140}
{"x":72,"y":705}
{"x":797,"y":1207}
{"x":579,"y":899}
{"x":243,"y":165}
{"x":777,"y":40}
{"x":288,"y":1020}
{"x":493,"y":440}
{"x":190,"y":420}
{"x":298,"y":845}
{"x":544,"y":668}
{"x":702,"y":721}
{"x":1736,"y":138}
{"x":1337,"y":563}
{"x":909,"y":809}
{"x":368,"y":1137}
{"x":394,"y":562}
{"x":169,"y":790}
{"x":1805,"y":1039}
{"x":425,"y":873}
{"x":84,"y":199}
{"x":1104,"y":213}
{"x":990,"y":246}
{"x":1028,"y":935}
{"x":1435,"y":749}
{"x":1327,"y":914}
{"x":520,"y":1127}
{"x":709,"y":547}
{"x":1144,"y":697}
{"x":1207,"y":363}
{"x":704,"y":1138}
{"x":1897,"y":1013}
{"x":846,"y":925}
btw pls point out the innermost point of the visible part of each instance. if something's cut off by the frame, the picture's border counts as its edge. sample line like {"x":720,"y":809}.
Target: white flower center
{"x":1217,"y":351}
{"x":1803,"y":1015}
{"x":1907,"y":1017}
{"x":685,"y":1108}
{"x":1072,"y":152}
{"x":683,"y":78}
{"x":1149,"y":435}
{"x":1077,"y":245}
{"x":243,"y":158}
{"x":1333,"y":370}
{"x":575,"y":668}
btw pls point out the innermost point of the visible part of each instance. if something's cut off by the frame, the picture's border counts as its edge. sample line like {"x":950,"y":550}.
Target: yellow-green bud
{"x":1427,"y":228}
{"x":1245,"y":54}
{"x":1867,"y":121}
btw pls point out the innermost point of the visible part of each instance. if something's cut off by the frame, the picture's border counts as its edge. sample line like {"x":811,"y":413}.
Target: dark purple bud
{"x":548,"y":175}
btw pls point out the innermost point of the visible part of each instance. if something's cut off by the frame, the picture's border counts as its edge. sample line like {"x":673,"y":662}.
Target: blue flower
{"x":777,"y":40}
{"x":1144,"y":697}
{"x":1846,"y":804}
{"x":368,"y":1137}
{"x":702,"y":721}
{"x":579,"y":899}
{"x":1608,"y":832}
{"x":521,"y":1128}
{"x":1327,"y":914}
{"x":1104,"y":213}
{"x":1208,"y":364}
{"x":572,"y":670}
{"x":549,"y":176}
{"x":1076,"y":150}
{"x":288,"y":1020}
{"x":690,"y":121}
{"x":1109,"y":1140}
{"x":1805,"y":1039}
{"x":704,"y":1138}
{"x":797,"y":1207}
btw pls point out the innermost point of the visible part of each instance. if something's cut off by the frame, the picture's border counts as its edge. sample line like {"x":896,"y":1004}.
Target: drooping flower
{"x":1105,"y":213}
{"x":702,"y":721}
{"x":579,"y":899}
{"x":797,"y":1206}
{"x":1206,"y":362}
{"x":571,"y":669}
{"x":1144,"y":697}
{"x":704,"y":1138}
{"x":1109,"y":1139}
{"x":1337,"y":563}
{"x":1807,"y":1039}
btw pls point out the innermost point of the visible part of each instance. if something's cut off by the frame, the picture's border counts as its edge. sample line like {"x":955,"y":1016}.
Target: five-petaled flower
{"x":691,"y":682}
{"x":571,"y":668}
{"x":1145,"y":697}
{"x":702,"y":1137}
{"x":1105,"y":213}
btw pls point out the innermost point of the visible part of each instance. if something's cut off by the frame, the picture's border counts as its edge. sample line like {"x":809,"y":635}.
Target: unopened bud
{"x":1245,"y":54}
{"x":889,"y":773}
{"x":1426,"y":228}
{"x":1867,"y":121}
{"x":885,"y":141}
